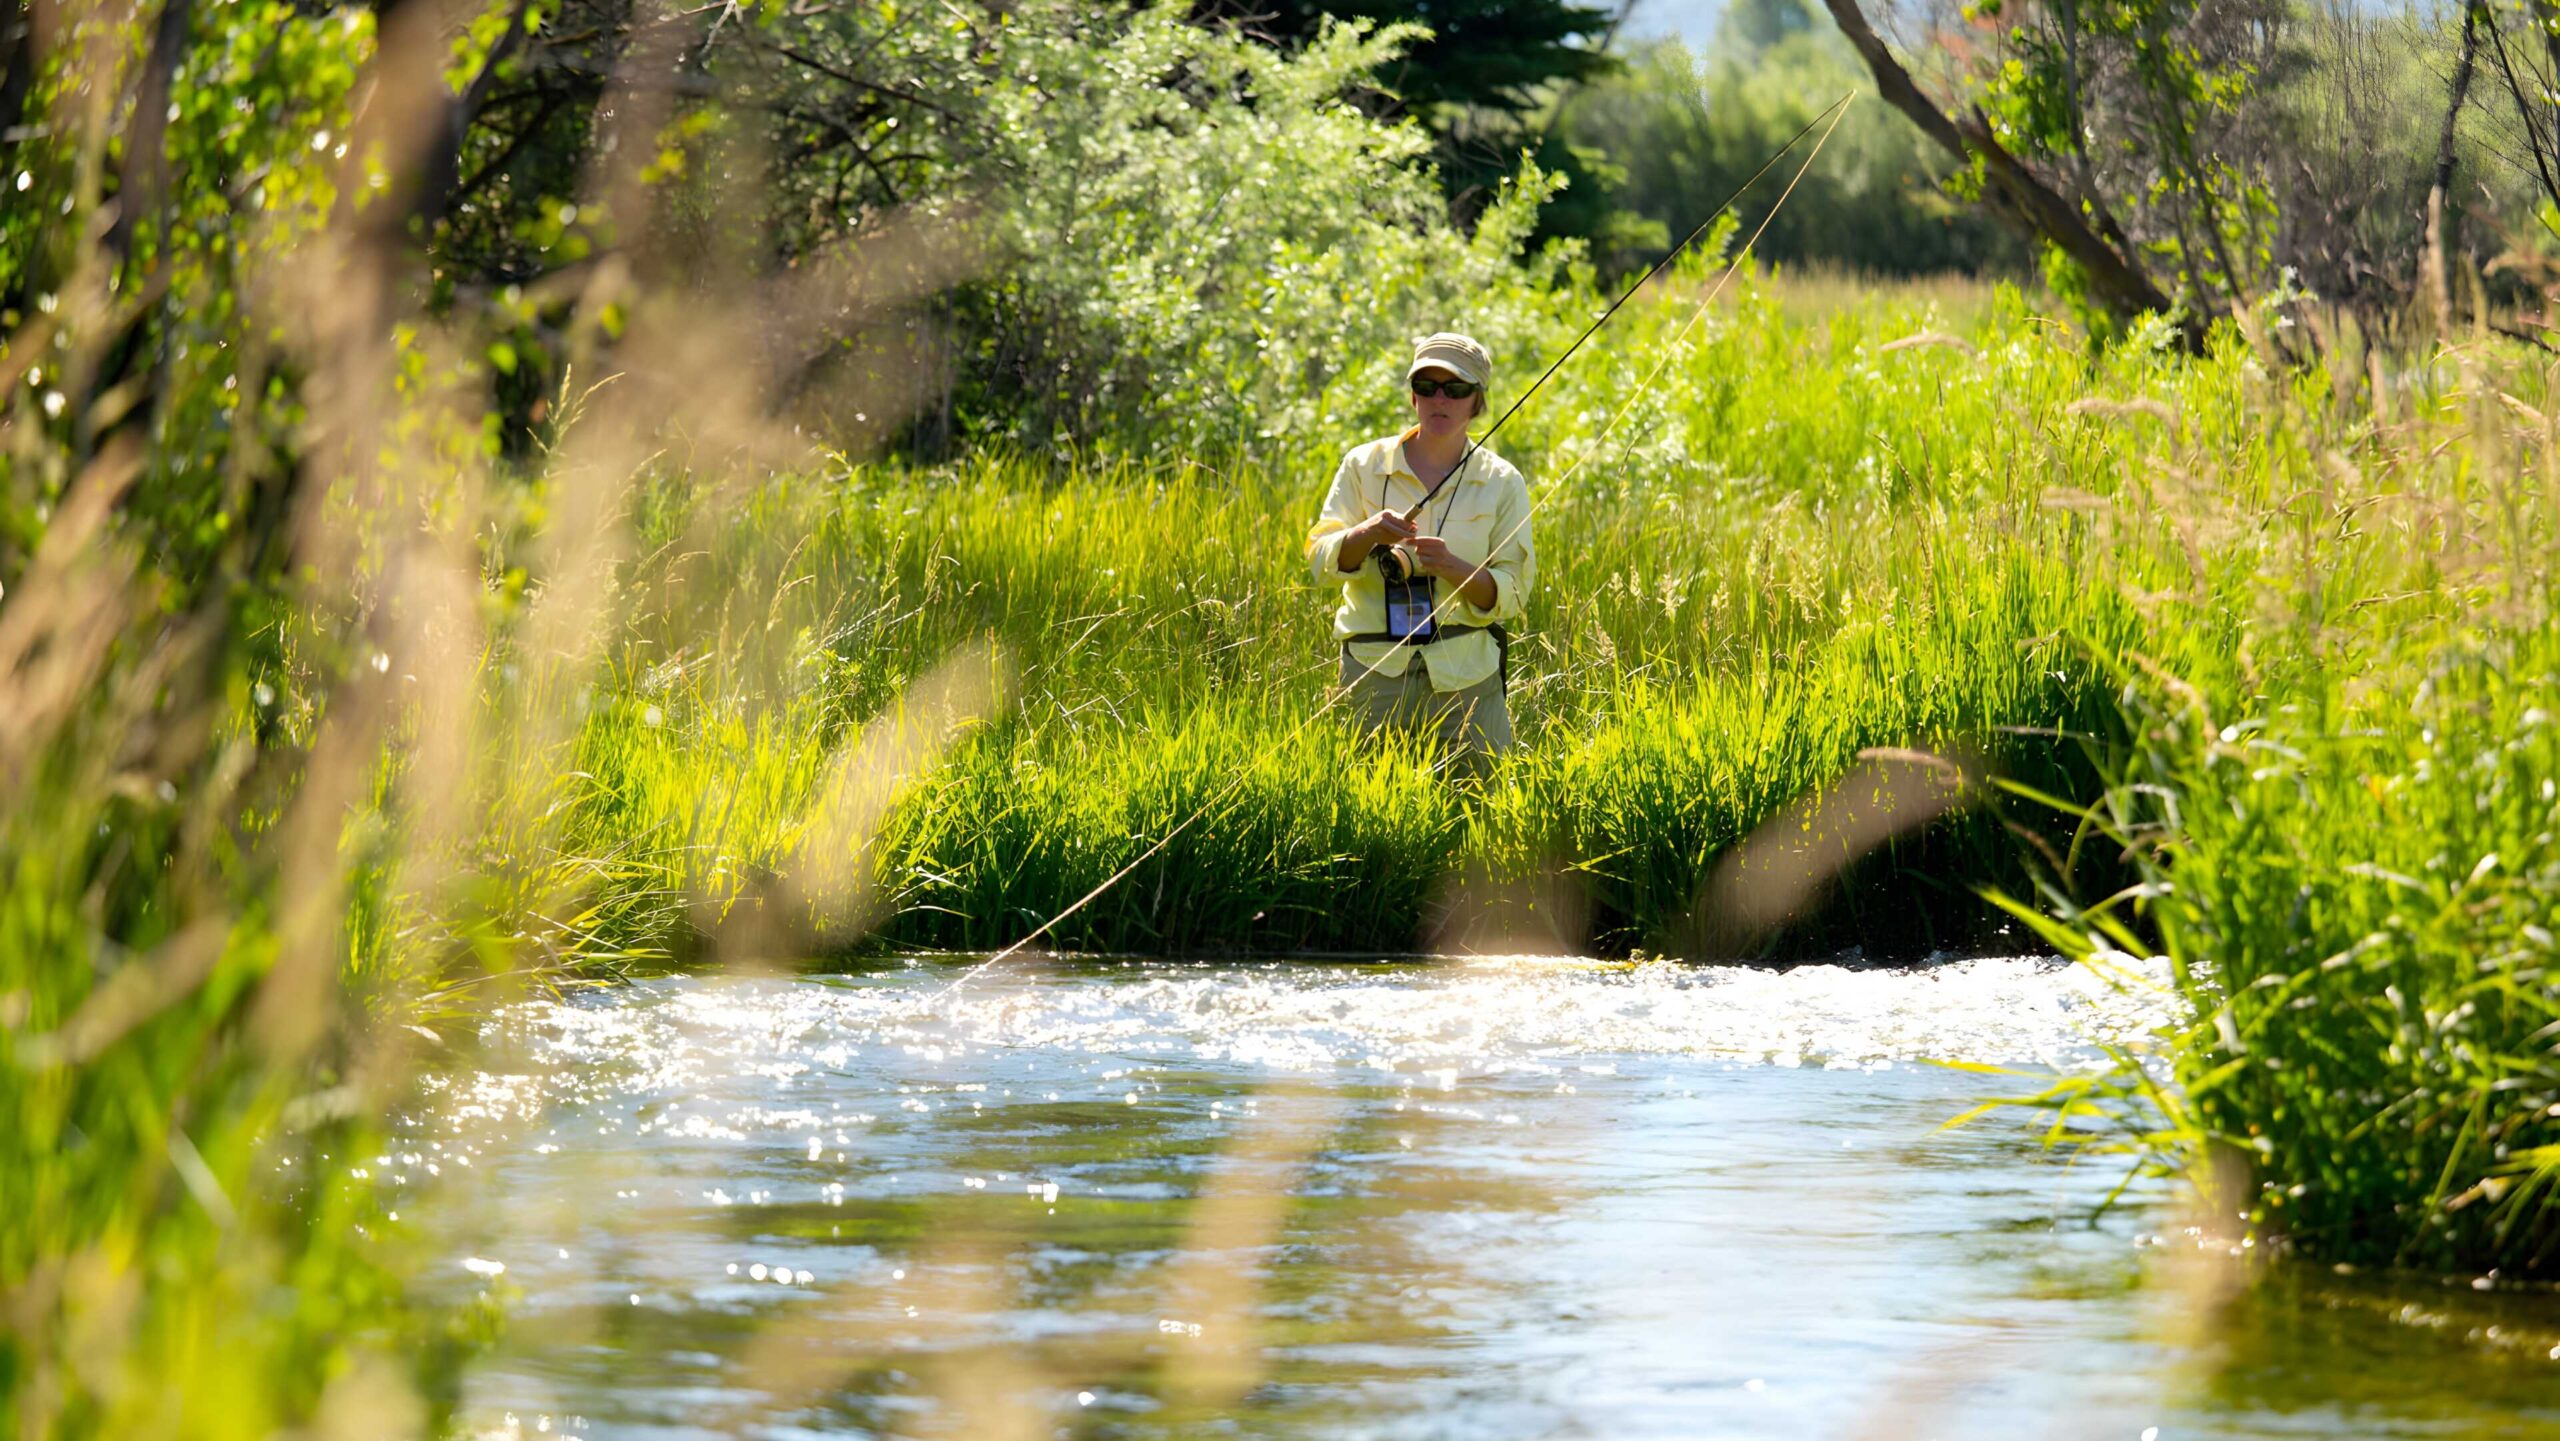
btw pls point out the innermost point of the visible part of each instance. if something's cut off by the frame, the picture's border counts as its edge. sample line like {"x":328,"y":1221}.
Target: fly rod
{"x":1414,"y":515}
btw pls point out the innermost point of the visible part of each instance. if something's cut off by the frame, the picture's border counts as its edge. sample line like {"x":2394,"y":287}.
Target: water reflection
{"x":1491,"y":1199}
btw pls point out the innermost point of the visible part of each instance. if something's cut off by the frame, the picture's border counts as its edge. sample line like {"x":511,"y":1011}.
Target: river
{"x":1477,"y":1199}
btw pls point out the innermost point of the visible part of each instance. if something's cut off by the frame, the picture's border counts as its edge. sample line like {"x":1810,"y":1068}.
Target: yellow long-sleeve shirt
{"x":1483,"y":515}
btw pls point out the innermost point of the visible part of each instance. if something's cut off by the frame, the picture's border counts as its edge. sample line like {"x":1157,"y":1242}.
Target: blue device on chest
{"x":1410,"y":602}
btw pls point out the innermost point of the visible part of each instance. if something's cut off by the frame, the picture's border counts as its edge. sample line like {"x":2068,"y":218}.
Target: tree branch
{"x":552,"y":102}
{"x":2115,"y":281}
{"x":440,"y":170}
{"x":2526,"y":110}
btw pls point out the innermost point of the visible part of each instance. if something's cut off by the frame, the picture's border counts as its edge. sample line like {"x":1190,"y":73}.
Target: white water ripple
{"x":1489,"y":1016}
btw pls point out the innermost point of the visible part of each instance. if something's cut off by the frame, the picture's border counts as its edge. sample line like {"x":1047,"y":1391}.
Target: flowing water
{"x":1501,"y":1198}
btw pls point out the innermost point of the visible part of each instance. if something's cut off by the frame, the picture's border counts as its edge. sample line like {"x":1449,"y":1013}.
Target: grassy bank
{"x":1136,"y":703}
{"x":2342,"y":830}
{"x":2361,"y":903}
{"x":1804,"y":541}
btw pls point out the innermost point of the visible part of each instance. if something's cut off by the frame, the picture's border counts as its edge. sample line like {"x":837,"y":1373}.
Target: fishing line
{"x":1835,"y":111}
{"x":1691,"y":324}
{"x":1659,"y":266}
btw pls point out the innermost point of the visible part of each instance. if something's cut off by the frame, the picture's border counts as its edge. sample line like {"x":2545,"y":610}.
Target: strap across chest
{"x":1448,"y":492}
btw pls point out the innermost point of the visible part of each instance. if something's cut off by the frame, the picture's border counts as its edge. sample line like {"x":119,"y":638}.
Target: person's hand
{"x":1434,"y":556}
{"x":1387,"y":527}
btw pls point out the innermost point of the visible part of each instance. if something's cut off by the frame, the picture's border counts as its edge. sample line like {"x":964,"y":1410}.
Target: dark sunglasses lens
{"x":1454,"y":389}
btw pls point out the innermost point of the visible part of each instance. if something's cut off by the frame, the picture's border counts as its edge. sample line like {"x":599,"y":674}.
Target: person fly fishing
{"x":1477,"y":542}
{"x":1428,"y":537}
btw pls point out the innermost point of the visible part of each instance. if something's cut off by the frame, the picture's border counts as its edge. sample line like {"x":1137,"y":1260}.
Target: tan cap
{"x":1455,"y":353}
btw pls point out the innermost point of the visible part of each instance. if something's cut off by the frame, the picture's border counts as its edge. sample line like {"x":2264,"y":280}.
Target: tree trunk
{"x":17,"y":64}
{"x":2019,"y":197}
{"x":2433,"y":282}
{"x":145,"y":173}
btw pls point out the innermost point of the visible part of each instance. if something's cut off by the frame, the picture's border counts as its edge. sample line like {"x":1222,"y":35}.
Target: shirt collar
{"x":1396,"y":462}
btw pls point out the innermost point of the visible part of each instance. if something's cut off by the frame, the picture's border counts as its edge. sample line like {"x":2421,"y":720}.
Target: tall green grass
{"x":1895,"y":551}
{"x":2359,"y":908}
{"x":2342,"y":830}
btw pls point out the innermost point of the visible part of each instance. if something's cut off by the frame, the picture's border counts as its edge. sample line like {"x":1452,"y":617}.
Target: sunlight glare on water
{"x":1481,"y":1198}
{"x":1494,"y":1015}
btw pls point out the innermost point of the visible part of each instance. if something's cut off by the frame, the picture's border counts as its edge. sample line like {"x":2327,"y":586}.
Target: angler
{"x":1392,"y":563}
{"x":1447,"y":381}
{"x":1427,"y":588}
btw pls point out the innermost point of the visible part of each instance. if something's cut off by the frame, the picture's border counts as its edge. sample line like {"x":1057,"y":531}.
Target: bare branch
{"x":2031,"y":205}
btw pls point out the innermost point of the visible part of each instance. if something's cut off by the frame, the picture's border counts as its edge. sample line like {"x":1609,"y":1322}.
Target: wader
{"x":1472,"y":724}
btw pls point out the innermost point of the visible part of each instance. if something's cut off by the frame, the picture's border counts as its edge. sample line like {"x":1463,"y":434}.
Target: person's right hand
{"x":1387,"y":527}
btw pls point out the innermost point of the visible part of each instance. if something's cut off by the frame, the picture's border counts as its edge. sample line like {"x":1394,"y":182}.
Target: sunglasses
{"x":1454,"y":389}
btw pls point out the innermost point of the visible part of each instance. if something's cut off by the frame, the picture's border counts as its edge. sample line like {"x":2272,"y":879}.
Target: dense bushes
{"x":1196,"y":267}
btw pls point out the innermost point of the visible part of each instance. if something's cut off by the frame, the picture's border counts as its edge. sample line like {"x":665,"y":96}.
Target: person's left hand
{"x":1434,"y":556}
